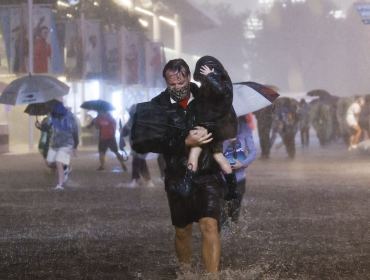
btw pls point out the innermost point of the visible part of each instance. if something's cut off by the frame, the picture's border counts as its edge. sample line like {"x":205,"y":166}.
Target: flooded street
{"x":306,"y":218}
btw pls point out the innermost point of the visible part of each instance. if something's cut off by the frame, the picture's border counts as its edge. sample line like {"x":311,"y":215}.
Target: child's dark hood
{"x":212,"y":63}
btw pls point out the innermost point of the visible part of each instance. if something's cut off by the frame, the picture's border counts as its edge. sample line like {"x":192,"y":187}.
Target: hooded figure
{"x":212,"y":107}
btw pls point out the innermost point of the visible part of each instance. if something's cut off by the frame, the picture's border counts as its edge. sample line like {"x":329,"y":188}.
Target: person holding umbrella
{"x":64,"y":140}
{"x":107,"y":131}
{"x":235,"y":151}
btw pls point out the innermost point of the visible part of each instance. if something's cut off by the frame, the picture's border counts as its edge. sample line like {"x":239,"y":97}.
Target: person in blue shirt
{"x":235,"y":151}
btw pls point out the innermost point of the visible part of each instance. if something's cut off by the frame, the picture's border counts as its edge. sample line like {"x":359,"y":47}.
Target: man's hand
{"x":198,"y":137}
{"x":74,"y":151}
{"x":37,"y":124}
{"x":237,"y":164}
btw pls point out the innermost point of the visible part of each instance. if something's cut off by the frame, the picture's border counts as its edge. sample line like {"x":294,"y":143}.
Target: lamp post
{"x":31,"y":130}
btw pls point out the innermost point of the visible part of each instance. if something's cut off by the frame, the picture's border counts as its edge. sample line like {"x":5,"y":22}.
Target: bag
{"x":122,"y":142}
{"x":44,"y":143}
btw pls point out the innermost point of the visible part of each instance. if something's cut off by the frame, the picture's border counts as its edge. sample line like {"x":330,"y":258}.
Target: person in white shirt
{"x":353,"y":112}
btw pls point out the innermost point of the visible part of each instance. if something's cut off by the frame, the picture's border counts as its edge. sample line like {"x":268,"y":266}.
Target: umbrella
{"x":98,"y":105}
{"x":149,"y":127}
{"x":318,"y":92}
{"x":2,"y":86}
{"x":40,"y":109}
{"x":249,"y":97}
{"x":33,"y":89}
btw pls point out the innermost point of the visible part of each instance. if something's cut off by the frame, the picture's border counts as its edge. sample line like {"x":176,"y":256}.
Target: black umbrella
{"x":318,"y":92}
{"x":98,"y":105}
{"x":150,"y":126}
{"x":40,"y":109}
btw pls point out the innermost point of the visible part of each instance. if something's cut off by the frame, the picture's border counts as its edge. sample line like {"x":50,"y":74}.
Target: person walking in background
{"x":352,"y":120}
{"x":264,"y":122}
{"x":107,"y":138}
{"x":304,"y":122}
{"x":289,"y":117}
{"x":64,"y":140}
{"x":139,"y":165}
{"x":235,"y":151}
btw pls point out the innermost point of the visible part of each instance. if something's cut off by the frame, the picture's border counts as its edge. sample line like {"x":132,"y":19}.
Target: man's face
{"x":44,"y":33}
{"x":176,"y":80}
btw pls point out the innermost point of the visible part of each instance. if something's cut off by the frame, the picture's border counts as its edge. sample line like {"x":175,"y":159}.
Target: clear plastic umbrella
{"x":33,"y":89}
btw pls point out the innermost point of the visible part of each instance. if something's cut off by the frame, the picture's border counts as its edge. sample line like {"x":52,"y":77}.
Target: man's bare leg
{"x":102,"y":159}
{"x":60,"y":172}
{"x":120,"y":159}
{"x":211,"y":246}
{"x":184,"y":246}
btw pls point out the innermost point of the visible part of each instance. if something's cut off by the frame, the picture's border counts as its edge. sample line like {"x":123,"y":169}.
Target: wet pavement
{"x":306,"y":218}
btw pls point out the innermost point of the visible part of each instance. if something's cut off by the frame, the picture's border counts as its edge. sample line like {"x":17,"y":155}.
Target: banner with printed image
{"x":92,"y":49}
{"x":46,"y":56}
{"x":133,"y":58}
{"x":111,"y":42}
{"x":155,"y":62}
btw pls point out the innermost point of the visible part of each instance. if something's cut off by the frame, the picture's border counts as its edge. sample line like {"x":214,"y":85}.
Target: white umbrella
{"x":249,"y":97}
{"x":33,"y":89}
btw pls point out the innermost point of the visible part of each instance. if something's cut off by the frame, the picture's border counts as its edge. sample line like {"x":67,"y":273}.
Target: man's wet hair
{"x":177,"y":66}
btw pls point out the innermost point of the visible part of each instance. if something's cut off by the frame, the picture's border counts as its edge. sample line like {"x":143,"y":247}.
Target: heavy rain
{"x":100,"y":210}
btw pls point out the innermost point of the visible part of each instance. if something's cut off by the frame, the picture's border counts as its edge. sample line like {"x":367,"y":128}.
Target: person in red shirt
{"x":107,"y":139}
{"x":42,"y":51}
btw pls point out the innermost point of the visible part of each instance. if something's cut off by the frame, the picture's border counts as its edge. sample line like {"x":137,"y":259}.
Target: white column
{"x":177,"y":34}
{"x":156,"y":29}
{"x":31,"y":119}
{"x":30,"y":35}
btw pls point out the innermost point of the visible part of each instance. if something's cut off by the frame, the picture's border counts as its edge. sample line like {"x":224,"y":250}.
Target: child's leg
{"x":222,"y":162}
{"x":193,"y":158}
{"x":185,"y":186}
{"x":229,"y":175}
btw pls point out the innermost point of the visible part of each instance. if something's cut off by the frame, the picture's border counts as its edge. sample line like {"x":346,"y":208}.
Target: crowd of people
{"x":331,"y":117}
{"x":204,"y":150}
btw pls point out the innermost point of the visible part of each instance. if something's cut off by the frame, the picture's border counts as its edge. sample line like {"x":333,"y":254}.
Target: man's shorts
{"x":203,"y":202}
{"x":62,"y":155}
{"x":110,"y":143}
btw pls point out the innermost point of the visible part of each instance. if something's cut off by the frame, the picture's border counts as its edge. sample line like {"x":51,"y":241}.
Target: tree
{"x":226,"y":42}
{"x":301,"y":47}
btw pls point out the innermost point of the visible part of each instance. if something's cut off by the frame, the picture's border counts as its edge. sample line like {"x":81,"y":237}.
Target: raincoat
{"x":212,"y":106}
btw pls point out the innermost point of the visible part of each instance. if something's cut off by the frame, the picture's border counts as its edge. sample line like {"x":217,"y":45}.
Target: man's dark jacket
{"x":173,"y":145}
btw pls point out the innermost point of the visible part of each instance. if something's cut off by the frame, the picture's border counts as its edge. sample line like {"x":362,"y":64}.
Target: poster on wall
{"x":155,"y":62}
{"x":46,"y":56}
{"x":112,"y":56}
{"x":92,"y":49}
{"x":19,"y":43}
{"x":133,"y":71}
{"x":73,"y":51}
